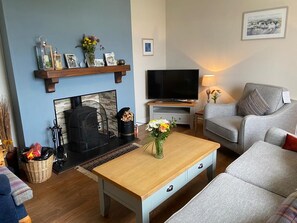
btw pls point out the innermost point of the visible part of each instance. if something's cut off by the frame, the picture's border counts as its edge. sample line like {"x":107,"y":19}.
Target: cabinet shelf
{"x":51,"y":77}
{"x":181,"y":112}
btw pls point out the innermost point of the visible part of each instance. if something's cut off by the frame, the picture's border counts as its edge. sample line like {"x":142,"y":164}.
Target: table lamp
{"x":208,"y":81}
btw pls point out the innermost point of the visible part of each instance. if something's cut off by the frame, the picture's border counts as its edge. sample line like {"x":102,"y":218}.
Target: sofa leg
{"x":26,"y":219}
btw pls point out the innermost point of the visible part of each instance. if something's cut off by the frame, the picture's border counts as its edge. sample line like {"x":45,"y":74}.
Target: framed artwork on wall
{"x":148,"y":47}
{"x":71,"y":60}
{"x":264,"y":24}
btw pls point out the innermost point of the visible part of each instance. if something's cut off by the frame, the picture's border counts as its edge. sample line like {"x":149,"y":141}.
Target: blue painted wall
{"x":62,"y":22}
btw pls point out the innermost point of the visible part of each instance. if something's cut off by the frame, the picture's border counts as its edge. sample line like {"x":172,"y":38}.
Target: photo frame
{"x":110,"y":59}
{"x":99,"y":63}
{"x":58,"y":62}
{"x":148,"y":47}
{"x":71,"y":60}
{"x":264,"y":24}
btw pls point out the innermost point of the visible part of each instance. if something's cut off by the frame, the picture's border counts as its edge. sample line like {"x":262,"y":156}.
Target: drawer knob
{"x":200,"y":166}
{"x":170,"y":188}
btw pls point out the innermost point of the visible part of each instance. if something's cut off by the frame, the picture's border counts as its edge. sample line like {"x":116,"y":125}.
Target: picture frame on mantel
{"x":71,"y":60}
{"x":264,"y":24}
{"x":148,"y":47}
{"x":110,"y":59}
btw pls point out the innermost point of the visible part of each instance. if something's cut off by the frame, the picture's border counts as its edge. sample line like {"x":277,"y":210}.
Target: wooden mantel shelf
{"x":51,"y":77}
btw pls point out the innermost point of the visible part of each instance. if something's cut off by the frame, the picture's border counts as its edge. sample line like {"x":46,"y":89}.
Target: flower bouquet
{"x":160,"y":129}
{"x":88,"y":45}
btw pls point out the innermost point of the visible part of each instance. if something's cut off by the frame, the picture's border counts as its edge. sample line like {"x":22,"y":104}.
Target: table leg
{"x":103,"y":198}
{"x":211,"y":170}
{"x":142,"y":214}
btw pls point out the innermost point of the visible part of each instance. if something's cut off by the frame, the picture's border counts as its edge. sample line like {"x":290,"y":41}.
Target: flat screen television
{"x":173,"y":84}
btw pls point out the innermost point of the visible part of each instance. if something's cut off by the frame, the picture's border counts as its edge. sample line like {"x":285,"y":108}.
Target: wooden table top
{"x":141,"y":174}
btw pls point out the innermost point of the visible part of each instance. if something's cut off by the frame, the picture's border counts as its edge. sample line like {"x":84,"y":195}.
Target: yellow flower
{"x":164,"y":127}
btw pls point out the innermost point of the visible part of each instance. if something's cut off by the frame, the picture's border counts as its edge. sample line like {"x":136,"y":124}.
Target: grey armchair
{"x":223,"y":123}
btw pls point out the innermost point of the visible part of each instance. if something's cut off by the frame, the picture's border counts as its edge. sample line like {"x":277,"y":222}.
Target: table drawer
{"x":167,"y":191}
{"x":199,"y":167}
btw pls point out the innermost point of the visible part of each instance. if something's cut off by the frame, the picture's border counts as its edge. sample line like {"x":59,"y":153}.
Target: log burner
{"x":87,"y":126}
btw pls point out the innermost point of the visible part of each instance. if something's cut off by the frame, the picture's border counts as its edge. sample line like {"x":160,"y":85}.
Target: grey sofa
{"x":224,"y":124}
{"x":252,"y":188}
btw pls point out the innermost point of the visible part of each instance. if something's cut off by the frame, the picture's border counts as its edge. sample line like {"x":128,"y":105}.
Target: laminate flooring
{"x":73,"y":197}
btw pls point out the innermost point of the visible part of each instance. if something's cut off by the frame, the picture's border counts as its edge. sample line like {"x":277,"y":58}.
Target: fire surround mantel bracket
{"x":51,"y":77}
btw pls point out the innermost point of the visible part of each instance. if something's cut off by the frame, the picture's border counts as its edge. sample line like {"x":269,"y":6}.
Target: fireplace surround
{"x":89,"y":126}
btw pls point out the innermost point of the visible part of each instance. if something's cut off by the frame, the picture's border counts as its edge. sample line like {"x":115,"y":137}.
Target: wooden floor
{"x":73,"y":197}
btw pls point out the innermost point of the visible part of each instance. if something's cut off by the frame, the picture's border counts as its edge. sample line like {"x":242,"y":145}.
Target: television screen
{"x":173,"y":84}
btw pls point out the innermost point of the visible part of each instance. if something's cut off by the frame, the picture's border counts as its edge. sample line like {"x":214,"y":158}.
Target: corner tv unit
{"x":173,"y":85}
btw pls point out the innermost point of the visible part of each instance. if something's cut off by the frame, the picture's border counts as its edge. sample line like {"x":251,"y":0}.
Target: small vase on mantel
{"x":90,"y":59}
{"x":159,"y":148}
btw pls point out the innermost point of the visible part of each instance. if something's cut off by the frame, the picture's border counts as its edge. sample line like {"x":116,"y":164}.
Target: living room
{"x":187,"y":34}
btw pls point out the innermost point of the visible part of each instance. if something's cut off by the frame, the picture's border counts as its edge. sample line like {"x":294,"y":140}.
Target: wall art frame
{"x":148,"y":47}
{"x":264,"y":24}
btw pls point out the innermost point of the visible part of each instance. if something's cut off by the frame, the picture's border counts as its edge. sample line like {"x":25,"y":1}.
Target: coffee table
{"x":141,"y":182}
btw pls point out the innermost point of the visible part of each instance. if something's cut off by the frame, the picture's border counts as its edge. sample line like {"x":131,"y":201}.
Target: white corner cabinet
{"x":181,"y":112}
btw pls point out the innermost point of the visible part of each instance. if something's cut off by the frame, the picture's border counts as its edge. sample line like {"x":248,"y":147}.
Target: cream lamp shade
{"x":208,"y":80}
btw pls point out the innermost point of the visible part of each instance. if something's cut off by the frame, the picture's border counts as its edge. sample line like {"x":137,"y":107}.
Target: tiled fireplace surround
{"x":107,"y":99}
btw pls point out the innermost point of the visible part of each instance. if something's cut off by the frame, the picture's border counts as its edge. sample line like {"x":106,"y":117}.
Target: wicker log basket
{"x":39,"y":171}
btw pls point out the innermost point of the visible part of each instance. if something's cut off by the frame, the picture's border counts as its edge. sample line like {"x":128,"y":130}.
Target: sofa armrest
{"x":254,"y":128}
{"x":219,"y":110}
{"x":276,"y":136}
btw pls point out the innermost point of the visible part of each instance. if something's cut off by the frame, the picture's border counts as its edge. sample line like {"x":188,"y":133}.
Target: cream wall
{"x":4,"y":91}
{"x":148,"y":21}
{"x":207,"y":34}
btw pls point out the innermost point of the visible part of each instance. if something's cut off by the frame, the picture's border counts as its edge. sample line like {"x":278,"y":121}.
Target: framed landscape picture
{"x":148,"y":47}
{"x":265,"y":24}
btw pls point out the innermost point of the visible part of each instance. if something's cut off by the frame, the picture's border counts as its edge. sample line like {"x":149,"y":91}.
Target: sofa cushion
{"x":226,"y":127}
{"x":228,"y":199}
{"x":290,"y":143}
{"x":287,"y":211}
{"x":20,"y":191}
{"x":267,"y":166}
{"x":253,"y":104}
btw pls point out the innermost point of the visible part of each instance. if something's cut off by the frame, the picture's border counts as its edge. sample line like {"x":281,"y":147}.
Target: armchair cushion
{"x":226,"y":127}
{"x":273,"y":95}
{"x":253,"y":104}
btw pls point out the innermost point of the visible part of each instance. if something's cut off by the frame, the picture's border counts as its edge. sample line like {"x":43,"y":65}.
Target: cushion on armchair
{"x":273,"y":95}
{"x":253,"y":104}
{"x":226,"y":127}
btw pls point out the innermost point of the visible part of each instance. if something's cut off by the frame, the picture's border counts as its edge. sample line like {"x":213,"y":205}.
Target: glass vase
{"x":159,"y":148}
{"x":90,"y":59}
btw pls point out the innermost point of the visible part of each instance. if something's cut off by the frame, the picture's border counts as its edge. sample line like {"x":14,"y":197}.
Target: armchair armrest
{"x":253,"y":128}
{"x":219,"y":110}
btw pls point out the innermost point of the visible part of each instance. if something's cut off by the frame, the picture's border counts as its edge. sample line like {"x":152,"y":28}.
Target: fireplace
{"x":86,"y":127}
